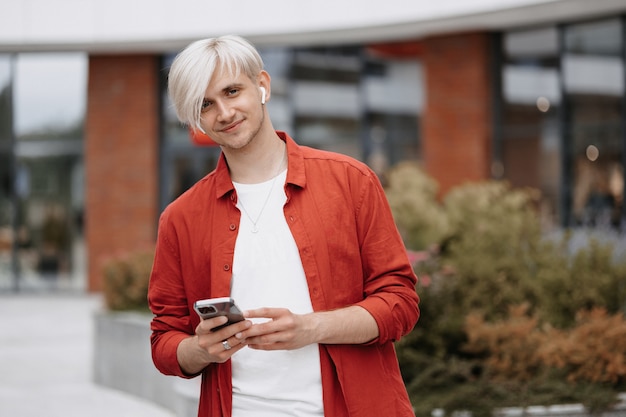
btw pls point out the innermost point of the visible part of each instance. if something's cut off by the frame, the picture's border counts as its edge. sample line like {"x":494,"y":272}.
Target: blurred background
{"x":91,"y":152}
{"x":498,"y":128}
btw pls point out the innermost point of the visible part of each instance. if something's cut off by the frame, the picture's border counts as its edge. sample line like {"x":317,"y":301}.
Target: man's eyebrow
{"x":231,"y":86}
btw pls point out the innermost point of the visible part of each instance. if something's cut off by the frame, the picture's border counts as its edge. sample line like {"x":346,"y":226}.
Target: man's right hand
{"x":207,"y":346}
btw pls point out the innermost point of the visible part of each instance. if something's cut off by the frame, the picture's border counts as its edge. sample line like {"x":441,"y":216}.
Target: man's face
{"x":232,"y":113}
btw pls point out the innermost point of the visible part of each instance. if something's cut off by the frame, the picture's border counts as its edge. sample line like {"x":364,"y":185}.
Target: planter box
{"x":571,"y":410}
{"x":122,"y":360}
{"x":564,"y":410}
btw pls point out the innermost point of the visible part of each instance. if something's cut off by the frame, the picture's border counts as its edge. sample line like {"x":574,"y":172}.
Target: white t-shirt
{"x":267,"y":272}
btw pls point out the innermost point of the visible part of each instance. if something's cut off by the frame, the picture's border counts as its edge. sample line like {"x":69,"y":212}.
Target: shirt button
{"x":232,"y":226}
{"x":226,"y":267}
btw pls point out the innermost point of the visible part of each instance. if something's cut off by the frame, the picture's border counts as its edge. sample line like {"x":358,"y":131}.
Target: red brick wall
{"x":456,"y":124}
{"x":121,"y":157}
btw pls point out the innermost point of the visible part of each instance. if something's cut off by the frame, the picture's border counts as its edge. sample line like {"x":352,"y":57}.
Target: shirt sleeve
{"x":389,"y":279}
{"x":168,"y":302}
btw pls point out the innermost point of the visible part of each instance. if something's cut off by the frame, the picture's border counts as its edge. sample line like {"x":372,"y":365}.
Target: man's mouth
{"x":231,"y":127}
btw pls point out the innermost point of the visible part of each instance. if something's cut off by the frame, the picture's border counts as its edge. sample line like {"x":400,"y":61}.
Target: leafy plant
{"x":500,"y":301}
{"x":126,"y":278}
{"x":594,"y":350}
{"x":412,"y":196}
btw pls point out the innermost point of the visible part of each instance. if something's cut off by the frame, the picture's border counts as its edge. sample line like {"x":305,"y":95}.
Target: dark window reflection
{"x":593,"y":71}
{"x":530,"y":148}
{"x":41,"y":171}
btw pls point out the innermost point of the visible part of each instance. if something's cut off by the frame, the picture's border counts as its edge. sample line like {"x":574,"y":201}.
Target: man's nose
{"x":224,"y":111}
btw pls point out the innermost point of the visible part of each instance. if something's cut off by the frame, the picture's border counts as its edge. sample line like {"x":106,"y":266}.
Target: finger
{"x":261,"y":330}
{"x":271,"y":346}
{"x":233,"y":329}
{"x":274,"y":346}
{"x":232,"y":343}
{"x":265,"y":312}
{"x":226,"y":348}
{"x":209,"y":340}
{"x":208,"y":325}
{"x":267,"y":337}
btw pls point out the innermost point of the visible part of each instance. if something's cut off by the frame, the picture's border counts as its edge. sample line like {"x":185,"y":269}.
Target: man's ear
{"x":264,"y":86}
{"x":262,"y":94}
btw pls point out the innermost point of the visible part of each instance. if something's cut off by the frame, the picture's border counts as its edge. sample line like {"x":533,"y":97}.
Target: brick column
{"x":121,"y":157}
{"x":456,"y":124}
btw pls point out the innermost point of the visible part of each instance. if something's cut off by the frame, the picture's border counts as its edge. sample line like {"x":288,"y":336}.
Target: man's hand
{"x":283,"y":330}
{"x":207,"y":346}
{"x":286,"y":330}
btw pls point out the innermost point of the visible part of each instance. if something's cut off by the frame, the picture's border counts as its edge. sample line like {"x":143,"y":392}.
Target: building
{"x":531,"y":91}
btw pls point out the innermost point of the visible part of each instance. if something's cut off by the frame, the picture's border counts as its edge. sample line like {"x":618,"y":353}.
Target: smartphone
{"x":214,"y":307}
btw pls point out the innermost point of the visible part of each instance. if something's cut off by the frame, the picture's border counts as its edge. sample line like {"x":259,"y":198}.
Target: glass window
{"x":6,"y":177}
{"x":352,"y":101}
{"x":50,"y":95}
{"x":532,"y":44}
{"x":49,"y":98}
{"x":602,"y":37}
{"x":530,"y":150}
{"x":593,"y":75}
{"x":329,"y":133}
{"x":6,"y":115}
{"x":394,"y":100}
{"x":326,"y":98}
{"x":338,"y":64}
{"x":393,"y":138}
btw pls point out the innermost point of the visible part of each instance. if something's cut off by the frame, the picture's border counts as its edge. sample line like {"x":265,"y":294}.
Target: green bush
{"x":588,"y":278}
{"x":495,"y":246}
{"x":484,"y":254}
{"x":126,"y":278}
{"x":408,"y":188}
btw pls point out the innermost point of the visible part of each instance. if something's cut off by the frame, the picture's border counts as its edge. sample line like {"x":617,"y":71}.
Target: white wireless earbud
{"x":262,"y":95}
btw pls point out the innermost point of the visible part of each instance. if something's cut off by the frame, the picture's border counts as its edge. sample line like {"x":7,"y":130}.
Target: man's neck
{"x":260,"y":161}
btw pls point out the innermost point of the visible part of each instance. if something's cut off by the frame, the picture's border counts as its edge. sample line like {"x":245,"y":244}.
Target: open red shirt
{"x":351,"y":252}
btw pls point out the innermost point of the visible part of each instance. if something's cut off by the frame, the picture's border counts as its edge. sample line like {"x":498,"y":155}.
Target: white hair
{"x":193,"y":68}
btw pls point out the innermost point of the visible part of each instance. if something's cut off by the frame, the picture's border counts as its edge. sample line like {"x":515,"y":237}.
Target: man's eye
{"x":233,"y":91}
{"x":205,"y":105}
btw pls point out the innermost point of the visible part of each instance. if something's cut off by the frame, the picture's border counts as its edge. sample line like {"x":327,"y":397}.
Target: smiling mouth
{"x":231,"y":126}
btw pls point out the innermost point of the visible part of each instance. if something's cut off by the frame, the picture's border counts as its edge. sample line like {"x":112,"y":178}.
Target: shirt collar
{"x":295,"y":169}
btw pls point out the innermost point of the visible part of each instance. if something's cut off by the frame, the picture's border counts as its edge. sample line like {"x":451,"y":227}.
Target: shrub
{"x":412,"y":196}
{"x":594,"y":350}
{"x":499,"y":302}
{"x":494,"y":246}
{"x":509,"y":346}
{"x":591,"y":277}
{"x":126,"y":279}
{"x":585,"y":364}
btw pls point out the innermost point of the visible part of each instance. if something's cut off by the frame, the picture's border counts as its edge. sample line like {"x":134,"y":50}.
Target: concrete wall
{"x":122,"y":360}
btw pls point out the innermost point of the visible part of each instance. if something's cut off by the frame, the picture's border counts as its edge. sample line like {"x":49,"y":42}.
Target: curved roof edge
{"x":101,"y":27}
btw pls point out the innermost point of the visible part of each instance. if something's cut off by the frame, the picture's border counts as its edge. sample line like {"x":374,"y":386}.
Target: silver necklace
{"x":255,"y":229}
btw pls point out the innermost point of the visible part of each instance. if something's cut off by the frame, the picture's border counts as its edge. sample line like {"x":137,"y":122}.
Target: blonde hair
{"x":193,"y":68}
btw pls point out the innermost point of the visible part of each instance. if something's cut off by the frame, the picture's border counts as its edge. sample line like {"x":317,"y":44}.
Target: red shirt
{"x":351,"y":252}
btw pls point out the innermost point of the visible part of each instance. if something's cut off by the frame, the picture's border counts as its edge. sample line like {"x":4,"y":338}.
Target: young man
{"x":303,"y":241}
